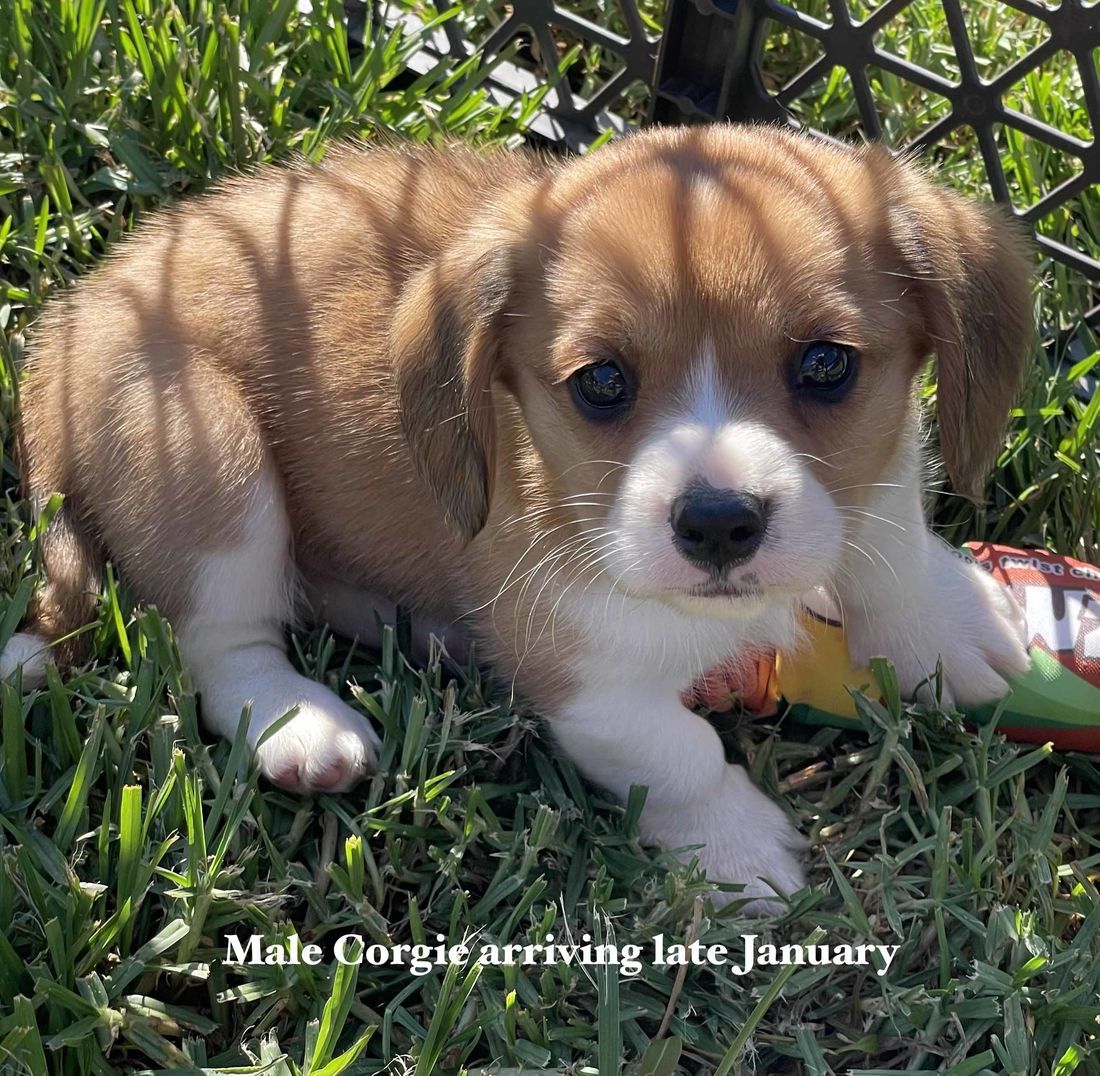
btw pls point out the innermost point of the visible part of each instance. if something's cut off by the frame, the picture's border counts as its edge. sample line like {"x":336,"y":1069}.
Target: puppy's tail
{"x":65,"y":602}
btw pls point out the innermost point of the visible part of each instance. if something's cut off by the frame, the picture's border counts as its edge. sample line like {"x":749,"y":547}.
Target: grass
{"x":130,"y":844}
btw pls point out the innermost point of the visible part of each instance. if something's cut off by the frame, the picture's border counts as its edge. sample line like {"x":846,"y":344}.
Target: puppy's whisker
{"x":619,"y":578}
{"x":593,"y":559}
{"x":584,"y":561}
{"x":872,"y":515}
{"x":859,"y":549}
{"x":566,"y":548}
{"x":868,"y":485}
{"x":878,"y":553}
{"x":575,"y":556}
{"x":554,"y":553}
{"x":939,"y":491}
{"x":590,"y":463}
{"x":540,"y":537}
{"x":537,"y":517}
{"x":604,"y":556}
{"x":574,"y":551}
{"x":578,"y":499}
{"x":557,"y":506}
{"x":858,"y":588}
{"x":823,"y":460}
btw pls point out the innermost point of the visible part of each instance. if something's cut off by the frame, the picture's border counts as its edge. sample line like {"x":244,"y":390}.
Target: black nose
{"x":717,"y":527}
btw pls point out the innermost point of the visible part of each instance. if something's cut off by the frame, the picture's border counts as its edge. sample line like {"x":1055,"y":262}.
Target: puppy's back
{"x":246,"y":325}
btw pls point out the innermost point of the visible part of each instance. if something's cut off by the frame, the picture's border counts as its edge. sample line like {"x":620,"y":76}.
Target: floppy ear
{"x":445,"y":340}
{"x":972,"y":267}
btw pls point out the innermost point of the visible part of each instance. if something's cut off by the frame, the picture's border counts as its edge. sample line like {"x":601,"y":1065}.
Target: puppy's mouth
{"x":719,"y":587}
{"x":720,"y":593}
{"x":722,"y":599}
{"x":724,"y":588}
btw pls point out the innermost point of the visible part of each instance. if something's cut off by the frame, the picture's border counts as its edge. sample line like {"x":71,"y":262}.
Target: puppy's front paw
{"x":325,"y":747}
{"x":746,"y":839}
{"x":964,"y":618}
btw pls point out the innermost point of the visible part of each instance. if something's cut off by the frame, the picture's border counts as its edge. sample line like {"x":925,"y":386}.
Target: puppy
{"x":609,"y":419}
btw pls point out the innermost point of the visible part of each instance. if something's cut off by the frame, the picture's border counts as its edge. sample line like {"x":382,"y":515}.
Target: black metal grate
{"x":713,"y":66}
{"x":599,"y":75}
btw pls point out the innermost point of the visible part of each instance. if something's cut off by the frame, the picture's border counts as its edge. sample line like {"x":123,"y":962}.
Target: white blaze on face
{"x":711,"y":436}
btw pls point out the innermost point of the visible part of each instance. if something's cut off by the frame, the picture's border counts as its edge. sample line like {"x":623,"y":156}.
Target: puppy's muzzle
{"x":717,"y":528}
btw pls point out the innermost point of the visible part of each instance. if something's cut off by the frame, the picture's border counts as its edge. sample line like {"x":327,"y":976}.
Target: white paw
{"x":28,"y":651}
{"x":964,"y":617}
{"x":325,"y":747}
{"x":747,"y":838}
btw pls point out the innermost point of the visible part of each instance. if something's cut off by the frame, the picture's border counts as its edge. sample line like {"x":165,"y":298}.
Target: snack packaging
{"x":1056,"y":700}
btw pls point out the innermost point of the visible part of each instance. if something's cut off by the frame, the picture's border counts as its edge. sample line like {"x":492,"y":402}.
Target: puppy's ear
{"x":446,"y":337}
{"x":971,"y":268}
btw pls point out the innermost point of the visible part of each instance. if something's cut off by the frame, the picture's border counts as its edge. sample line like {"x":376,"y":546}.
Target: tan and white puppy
{"x":609,"y":419}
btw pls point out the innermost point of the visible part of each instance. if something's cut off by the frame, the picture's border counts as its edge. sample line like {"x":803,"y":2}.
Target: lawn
{"x":131,"y":844}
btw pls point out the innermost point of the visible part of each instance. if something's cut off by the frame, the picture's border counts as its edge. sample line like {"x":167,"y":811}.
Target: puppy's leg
{"x":639,"y":733}
{"x":64,"y":604}
{"x":232,"y":640}
{"x":909,"y":597}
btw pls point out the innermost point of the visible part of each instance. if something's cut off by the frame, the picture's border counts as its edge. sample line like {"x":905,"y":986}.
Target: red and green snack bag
{"x":1057,"y":699}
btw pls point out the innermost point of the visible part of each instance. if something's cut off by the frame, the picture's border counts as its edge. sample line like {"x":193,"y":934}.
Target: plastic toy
{"x":1056,"y":700}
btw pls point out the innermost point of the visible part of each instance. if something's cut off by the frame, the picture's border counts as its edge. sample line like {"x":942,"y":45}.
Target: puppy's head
{"x":711,"y":337}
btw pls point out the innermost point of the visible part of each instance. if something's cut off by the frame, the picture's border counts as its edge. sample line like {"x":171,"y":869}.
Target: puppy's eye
{"x":601,"y":390}
{"x":826,"y":369}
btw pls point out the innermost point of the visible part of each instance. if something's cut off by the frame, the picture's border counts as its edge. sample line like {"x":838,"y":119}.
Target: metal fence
{"x":600,"y":75}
